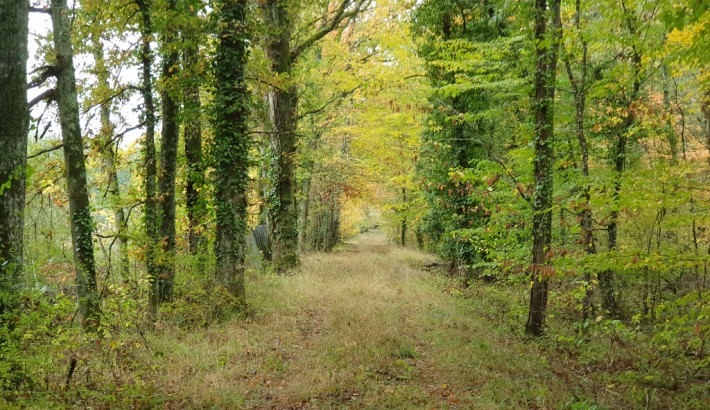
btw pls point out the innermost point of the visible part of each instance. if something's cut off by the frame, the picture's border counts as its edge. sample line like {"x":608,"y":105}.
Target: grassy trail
{"x":365,"y":327}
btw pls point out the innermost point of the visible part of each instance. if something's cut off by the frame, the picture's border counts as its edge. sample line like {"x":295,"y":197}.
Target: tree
{"x":580,"y":84}
{"x":108,"y":149}
{"x":283,"y":104}
{"x":231,"y":146}
{"x":473,"y":57}
{"x":619,"y":147}
{"x":14,"y":122}
{"x":151,"y":212}
{"x":79,"y":206}
{"x":193,"y":130}
{"x":543,"y":104}
{"x":169,"y":137}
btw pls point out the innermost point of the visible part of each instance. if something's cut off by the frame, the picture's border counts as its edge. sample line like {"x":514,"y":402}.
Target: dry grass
{"x":366,"y":327}
{"x":361,"y":328}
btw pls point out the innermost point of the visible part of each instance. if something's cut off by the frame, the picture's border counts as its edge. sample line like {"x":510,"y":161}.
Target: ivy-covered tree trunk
{"x":14,"y":122}
{"x":193,"y":135}
{"x":169,"y":137}
{"x":108,"y":150}
{"x":75,"y":168}
{"x":283,"y":102}
{"x":543,"y":103}
{"x":231,"y":146}
{"x":150,"y":165}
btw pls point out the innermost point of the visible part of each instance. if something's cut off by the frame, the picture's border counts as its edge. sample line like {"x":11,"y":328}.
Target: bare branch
{"x":45,"y":72}
{"x":40,"y":10}
{"x":48,"y":95}
{"x":122,"y":134}
{"x":341,"y":13}
{"x":338,"y":97}
{"x":45,"y":151}
{"x":259,"y":80}
{"x":117,"y":94}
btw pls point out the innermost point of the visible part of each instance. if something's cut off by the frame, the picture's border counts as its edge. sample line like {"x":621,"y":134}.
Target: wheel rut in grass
{"x":363,"y":327}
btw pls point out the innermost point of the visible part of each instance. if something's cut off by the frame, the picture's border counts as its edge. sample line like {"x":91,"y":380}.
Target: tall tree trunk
{"x":706,"y":111}
{"x":606,"y":278}
{"x":579,"y":90}
{"x":303,"y":210}
{"x":14,"y":122}
{"x":304,"y":206}
{"x":679,"y":107}
{"x":151,"y":213}
{"x":334,"y":227}
{"x":108,"y":150}
{"x":264,"y":188}
{"x":193,"y":137}
{"x":231,"y":146}
{"x":169,"y":137}
{"x":668,"y":115}
{"x":79,"y":208}
{"x":544,"y":98}
{"x":283,"y":102}
{"x":403,"y":238}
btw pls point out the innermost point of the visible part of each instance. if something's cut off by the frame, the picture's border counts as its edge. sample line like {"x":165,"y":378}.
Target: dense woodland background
{"x":554,"y":155}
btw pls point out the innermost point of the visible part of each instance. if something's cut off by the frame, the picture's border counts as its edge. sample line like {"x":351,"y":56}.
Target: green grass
{"x":365,"y":328}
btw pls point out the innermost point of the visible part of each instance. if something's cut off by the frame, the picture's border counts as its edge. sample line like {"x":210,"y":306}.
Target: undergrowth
{"x":366,"y":327}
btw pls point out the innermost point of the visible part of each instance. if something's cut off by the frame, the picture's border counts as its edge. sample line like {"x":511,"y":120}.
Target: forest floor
{"x":367,"y":326}
{"x":372,"y":326}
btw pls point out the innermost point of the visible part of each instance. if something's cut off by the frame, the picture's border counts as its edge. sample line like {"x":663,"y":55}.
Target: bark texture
{"x":14,"y":122}
{"x":193,"y":136}
{"x":169,"y":136}
{"x":75,"y":168}
{"x":543,"y":103}
{"x":150,"y":165}
{"x":283,"y":103}
{"x":231,"y":147}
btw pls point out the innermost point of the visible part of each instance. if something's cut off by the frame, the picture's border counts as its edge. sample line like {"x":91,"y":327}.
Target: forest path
{"x":363,"y":327}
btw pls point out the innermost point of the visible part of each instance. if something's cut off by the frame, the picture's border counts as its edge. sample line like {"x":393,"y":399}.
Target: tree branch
{"x":122,"y":134}
{"x":331,"y":101}
{"x":45,"y":151}
{"x":48,"y":95}
{"x":413,"y":76}
{"x":40,"y":10}
{"x":117,"y":94}
{"x":259,"y":80}
{"x":45,"y":72}
{"x":112,"y":140}
{"x":341,"y":14}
